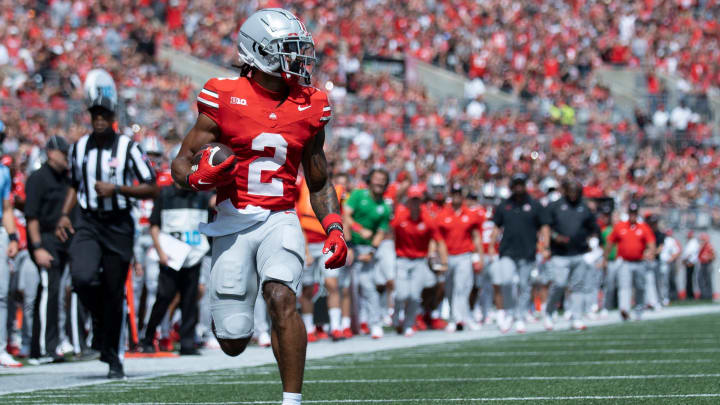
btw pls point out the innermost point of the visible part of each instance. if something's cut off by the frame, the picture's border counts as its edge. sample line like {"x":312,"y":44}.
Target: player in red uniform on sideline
{"x":273,"y":122}
{"x":434,"y":292}
{"x":416,"y":238}
{"x":460,"y":228}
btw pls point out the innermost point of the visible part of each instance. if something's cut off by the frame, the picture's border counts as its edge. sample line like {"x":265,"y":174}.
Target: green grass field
{"x":675,"y":361}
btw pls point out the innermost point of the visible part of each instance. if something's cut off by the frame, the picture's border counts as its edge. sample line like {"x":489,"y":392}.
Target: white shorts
{"x":317,"y":273}
{"x":244,"y":261}
{"x":385,"y":259}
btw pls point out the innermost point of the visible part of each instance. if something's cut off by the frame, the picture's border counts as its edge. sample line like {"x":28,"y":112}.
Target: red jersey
{"x":631,"y":239}
{"x":412,"y":238}
{"x":456,"y":229}
{"x":434,"y":209}
{"x":267,"y":136}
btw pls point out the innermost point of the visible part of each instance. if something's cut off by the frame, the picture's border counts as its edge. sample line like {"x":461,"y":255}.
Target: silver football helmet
{"x":276,"y":42}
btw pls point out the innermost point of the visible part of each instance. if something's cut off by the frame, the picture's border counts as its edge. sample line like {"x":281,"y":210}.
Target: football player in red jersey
{"x":273,"y":121}
{"x":433,"y":295}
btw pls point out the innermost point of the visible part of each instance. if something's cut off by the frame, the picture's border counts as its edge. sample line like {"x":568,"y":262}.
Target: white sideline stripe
{"x":456,"y":379}
{"x":513,"y":364}
{"x":209,"y":93}
{"x":552,"y":352}
{"x":210,"y":103}
{"x":425,"y":400}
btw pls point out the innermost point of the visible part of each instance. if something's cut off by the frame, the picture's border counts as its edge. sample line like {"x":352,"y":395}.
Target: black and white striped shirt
{"x":119,"y":162}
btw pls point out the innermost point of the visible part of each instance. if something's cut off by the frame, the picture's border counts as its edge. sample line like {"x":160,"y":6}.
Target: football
{"x":218,"y":154}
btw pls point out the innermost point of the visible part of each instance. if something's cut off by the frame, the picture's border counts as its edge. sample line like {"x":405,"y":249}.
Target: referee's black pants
{"x":46,"y":332}
{"x":100,"y":255}
{"x":185,"y":281}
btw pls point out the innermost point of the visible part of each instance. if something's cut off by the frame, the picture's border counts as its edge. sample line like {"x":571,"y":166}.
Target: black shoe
{"x":189,"y":352}
{"x":147,"y":348}
{"x":104,"y":358}
{"x":116,"y":371}
{"x":625,"y":315}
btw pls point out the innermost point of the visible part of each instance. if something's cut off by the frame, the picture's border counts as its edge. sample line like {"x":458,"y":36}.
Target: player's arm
{"x":8,"y":219}
{"x":205,"y":131}
{"x":477,"y":256}
{"x":494,"y":234}
{"x":323,"y":199}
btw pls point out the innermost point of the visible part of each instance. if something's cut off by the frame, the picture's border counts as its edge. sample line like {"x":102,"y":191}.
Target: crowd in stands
{"x":544,"y":52}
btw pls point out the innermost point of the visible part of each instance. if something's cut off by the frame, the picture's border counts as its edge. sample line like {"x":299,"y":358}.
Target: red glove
{"x":207,"y":176}
{"x":335,"y":242}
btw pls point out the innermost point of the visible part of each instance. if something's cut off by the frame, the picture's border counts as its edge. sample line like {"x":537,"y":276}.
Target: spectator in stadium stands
{"x":524,"y":224}
{"x":174,"y":222}
{"x":635,"y":243}
{"x":46,"y":189}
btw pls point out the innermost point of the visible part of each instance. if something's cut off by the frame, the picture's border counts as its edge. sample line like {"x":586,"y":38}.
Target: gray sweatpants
{"x":409,"y":283}
{"x":567,"y":272}
{"x":367,"y":287}
{"x":25,"y":279}
{"x":632,"y":274}
{"x":460,"y":282}
{"x":508,"y":273}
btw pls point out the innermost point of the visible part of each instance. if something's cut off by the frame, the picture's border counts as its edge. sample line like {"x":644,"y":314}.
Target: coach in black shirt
{"x":572,"y":224}
{"x":103,"y":169}
{"x":521,"y":219}
{"x":46,"y":189}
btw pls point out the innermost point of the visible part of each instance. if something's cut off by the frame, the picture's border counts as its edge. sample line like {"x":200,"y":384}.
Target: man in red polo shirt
{"x":460,"y":228}
{"x":415,"y":238}
{"x":635,"y":244}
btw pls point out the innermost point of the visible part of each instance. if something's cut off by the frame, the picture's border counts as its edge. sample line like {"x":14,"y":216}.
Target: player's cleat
{"x":451,"y":327}
{"x":311,"y":337}
{"x":438,"y":324}
{"x":165,"y":345}
{"x":321,"y":335}
{"x":116,"y":372}
{"x":548,"y":323}
{"x":264,"y":340}
{"x":364,"y":329}
{"x":13,"y":349}
{"x":577,"y":324}
{"x":420,"y":323}
{"x":337,"y":335}
{"x":65,"y":347}
{"x":377,"y":332}
{"x":520,"y":327}
{"x":505,"y":324}
{"x":39,"y":361}
{"x":624,"y":315}
{"x":6,"y":360}
{"x":409,"y":332}
{"x":347,"y":333}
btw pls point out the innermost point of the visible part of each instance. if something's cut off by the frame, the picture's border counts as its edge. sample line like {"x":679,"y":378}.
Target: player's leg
{"x":559,"y":273}
{"x":503,"y":274}
{"x":402,"y":294}
{"x":332,"y":286}
{"x":651,"y":293}
{"x":522,"y":305}
{"x":152,"y":275}
{"x":462,"y":284}
{"x":639,"y":280}
{"x":233,"y":289}
{"x":167,"y":287}
{"x":262,"y":323}
{"x":309,"y":278}
{"x":625,"y":283}
{"x":578,"y":287}
{"x":663,"y":283}
{"x":280,"y":262}
{"x":5,"y":358}
{"x":417,"y":283}
{"x":28,"y":284}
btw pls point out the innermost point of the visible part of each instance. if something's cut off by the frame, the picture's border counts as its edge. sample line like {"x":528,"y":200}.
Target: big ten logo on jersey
{"x":192,"y":238}
{"x":238,"y":100}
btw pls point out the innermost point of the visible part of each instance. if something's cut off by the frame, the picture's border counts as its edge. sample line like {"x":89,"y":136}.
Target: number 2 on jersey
{"x":275,"y":187}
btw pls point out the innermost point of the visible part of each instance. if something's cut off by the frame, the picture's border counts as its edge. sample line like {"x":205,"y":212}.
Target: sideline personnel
{"x":103,"y":168}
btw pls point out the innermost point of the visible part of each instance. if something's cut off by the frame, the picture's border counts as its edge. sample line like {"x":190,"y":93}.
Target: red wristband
{"x":331,"y":219}
{"x":356,"y":227}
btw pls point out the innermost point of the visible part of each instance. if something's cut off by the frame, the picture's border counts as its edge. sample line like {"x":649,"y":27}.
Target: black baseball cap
{"x":57,"y":142}
{"x":518,"y":178}
{"x":634,"y":207}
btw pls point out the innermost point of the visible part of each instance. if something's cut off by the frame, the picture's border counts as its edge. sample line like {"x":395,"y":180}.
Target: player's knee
{"x":280,"y":300}
{"x":233,"y":347}
{"x":307,"y":291}
{"x":331,"y":285}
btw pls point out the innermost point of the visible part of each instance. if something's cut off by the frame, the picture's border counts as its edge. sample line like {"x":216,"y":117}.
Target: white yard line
{"x":61,"y":376}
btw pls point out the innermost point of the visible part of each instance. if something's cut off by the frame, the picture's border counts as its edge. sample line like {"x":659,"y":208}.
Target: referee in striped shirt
{"x":107,"y":170}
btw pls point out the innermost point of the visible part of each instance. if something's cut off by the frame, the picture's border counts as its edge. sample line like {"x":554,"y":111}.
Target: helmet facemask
{"x":292,"y":58}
